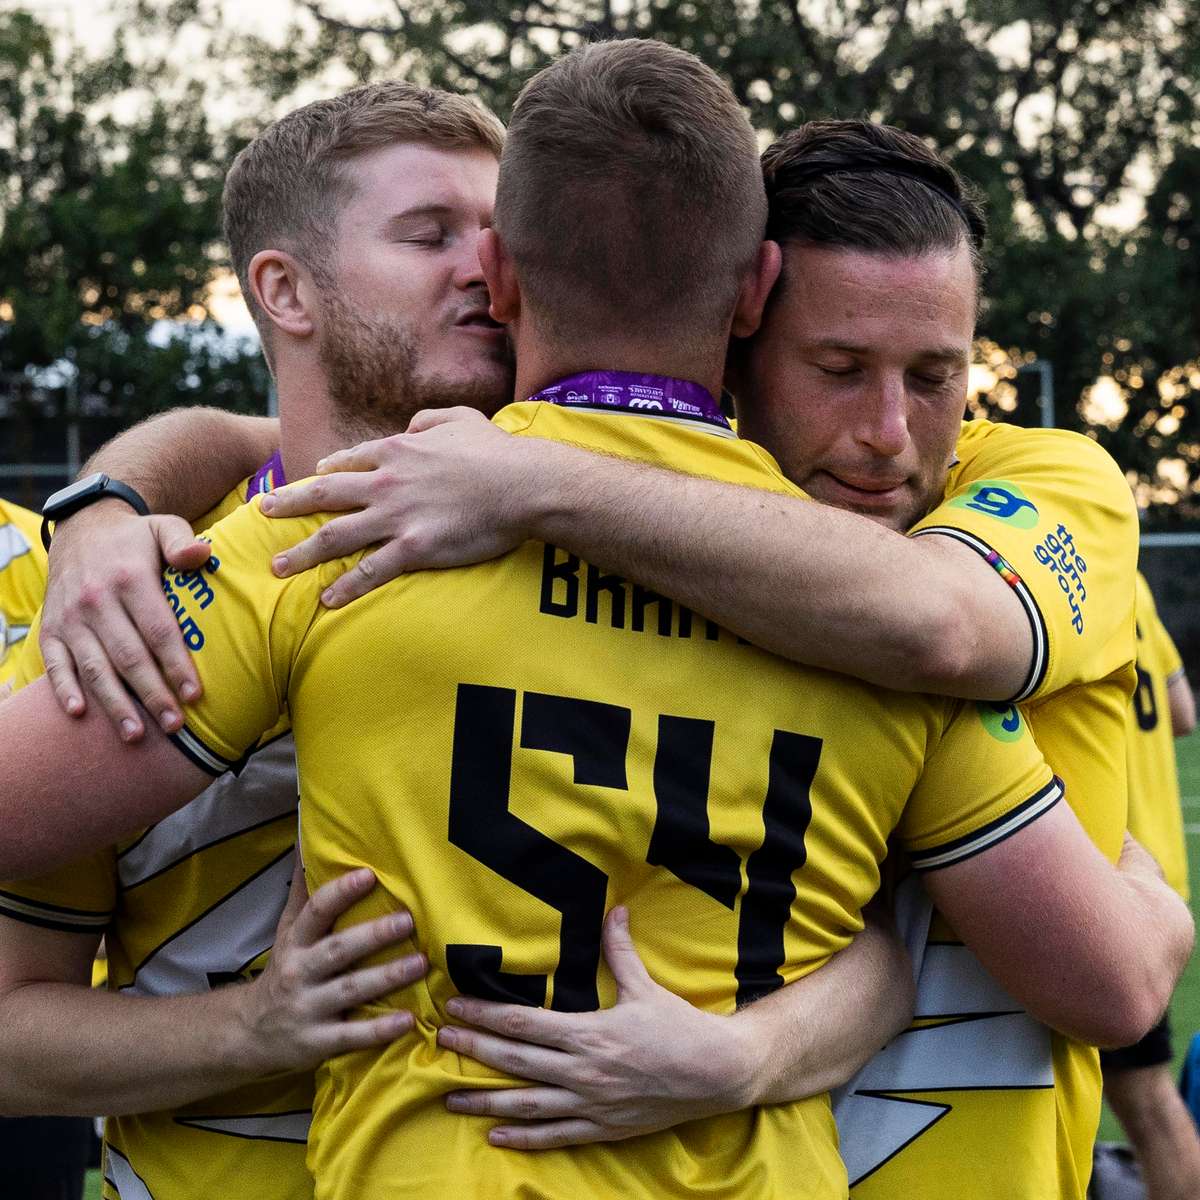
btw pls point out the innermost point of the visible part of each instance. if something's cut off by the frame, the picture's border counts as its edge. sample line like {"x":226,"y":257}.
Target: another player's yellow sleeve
{"x":242,"y":625}
{"x":78,"y":898}
{"x":1163,"y":652}
{"x":1053,"y":515}
{"x":983,"y":781}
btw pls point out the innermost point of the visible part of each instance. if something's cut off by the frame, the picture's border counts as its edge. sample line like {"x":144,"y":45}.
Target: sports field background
{"x":1185,"y":1010}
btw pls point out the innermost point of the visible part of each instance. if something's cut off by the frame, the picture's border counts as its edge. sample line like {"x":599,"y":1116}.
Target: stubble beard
{"x":371,"y":372}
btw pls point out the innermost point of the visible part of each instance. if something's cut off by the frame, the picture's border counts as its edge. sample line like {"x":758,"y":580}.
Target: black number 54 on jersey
{"x":596,"y":737}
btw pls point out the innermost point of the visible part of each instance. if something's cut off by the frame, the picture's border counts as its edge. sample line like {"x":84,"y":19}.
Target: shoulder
{"x":985,"y":444}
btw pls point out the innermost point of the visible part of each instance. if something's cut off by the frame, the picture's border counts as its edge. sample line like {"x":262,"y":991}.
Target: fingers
{"x":522,"y":1103}
{"x":365,"y":456}
{"x":329,"y":493}
{"x":146,"y":646}
{"x":513,"y":1058}
{"x":552,"y":1134}
{"x":5,"y":691}
{"x":328,"y":903}
{"x":343,"y":1037}
{"x":622,"y":957}
{"x":334,"y":539}
{"x":519,"y":1022}
{"x":371,"y":571}
{"x":348,"y":991}
{"x":60,"y":669}
{"x":96,"y":673}
{"x":297,"y":899}
{"x":428,"y":418}
{"x":179,"y":545}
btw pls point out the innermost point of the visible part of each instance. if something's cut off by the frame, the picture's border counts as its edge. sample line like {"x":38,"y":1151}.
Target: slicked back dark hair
{"x":864,"y":186}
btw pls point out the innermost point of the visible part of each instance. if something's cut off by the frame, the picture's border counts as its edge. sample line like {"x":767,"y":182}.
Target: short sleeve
{"x":983,"y":781}
{"x":1050,"y":511}
{"x":243,"y":626}
{"x":78,"y":898}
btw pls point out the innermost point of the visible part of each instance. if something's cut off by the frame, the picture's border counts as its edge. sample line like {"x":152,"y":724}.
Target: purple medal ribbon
{"x":267,"y":478}
{"x":646,"y":395}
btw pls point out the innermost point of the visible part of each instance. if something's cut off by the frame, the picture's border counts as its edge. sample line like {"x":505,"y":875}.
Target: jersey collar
{"x":660,"y":396}
{"x":267,"y":478}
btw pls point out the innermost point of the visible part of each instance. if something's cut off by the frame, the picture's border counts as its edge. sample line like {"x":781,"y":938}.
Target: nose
{"x":467,"y":271}
{"x":883,"y":418}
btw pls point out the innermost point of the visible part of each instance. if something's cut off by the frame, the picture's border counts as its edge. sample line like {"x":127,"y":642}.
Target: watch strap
{"x":105,"y":489}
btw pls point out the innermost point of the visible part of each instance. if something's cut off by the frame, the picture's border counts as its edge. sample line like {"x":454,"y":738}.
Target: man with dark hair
{"x":522,"y":746}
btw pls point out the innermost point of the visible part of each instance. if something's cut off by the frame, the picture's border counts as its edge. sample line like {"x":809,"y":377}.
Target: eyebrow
{"x":417,"y":212}
{"x":951,"y":354}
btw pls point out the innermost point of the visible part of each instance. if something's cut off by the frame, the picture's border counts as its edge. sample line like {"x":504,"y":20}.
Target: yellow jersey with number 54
{"x":518,"y":746}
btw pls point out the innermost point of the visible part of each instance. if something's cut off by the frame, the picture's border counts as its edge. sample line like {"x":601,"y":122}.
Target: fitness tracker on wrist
{"x":83,"y":492}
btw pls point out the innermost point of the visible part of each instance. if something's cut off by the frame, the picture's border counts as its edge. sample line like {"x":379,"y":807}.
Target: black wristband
{"x":69,"y":500}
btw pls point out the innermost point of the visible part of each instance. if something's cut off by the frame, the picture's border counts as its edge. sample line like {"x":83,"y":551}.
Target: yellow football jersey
{"x":189,"y":905}
{"x":518,"y":746}
{"x":1155,"y":815}
{"x":22,"y":578}
{"x":977,"y":1095}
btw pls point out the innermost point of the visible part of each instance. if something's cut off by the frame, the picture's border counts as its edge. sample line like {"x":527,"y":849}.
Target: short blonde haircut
{"x":630,"y":190}
{"x":287,"y":187}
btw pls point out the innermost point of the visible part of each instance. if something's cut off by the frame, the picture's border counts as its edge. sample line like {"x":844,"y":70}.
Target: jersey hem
{"x":991,"y":834}
{"x":1040,"y":662}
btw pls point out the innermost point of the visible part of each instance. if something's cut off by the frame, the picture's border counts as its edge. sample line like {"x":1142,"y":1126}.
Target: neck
{"x":308,"y":422}
{"x":541,"y":362}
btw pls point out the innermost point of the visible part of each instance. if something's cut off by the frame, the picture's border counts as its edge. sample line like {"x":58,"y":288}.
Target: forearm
{"x":816,"y":1033}
{"x":1158,"y":926}
{"x":70,"y":1050}
{"x":817,"y":585}
{"x":185,"y":461}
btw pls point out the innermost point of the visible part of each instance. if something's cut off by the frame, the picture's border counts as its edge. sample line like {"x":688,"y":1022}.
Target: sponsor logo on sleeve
{"x":1058,"y":553}
{"x":189,"y":593}
{"x":1002,"y":721}
{"x":1000,"y":499}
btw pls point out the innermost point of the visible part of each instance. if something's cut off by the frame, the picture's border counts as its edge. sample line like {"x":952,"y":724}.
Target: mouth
{"x":872,"y":493}
{"x":478,"y":320}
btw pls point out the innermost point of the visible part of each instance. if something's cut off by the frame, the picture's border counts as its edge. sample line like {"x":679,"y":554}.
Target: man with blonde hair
{"x":201,"y":1006}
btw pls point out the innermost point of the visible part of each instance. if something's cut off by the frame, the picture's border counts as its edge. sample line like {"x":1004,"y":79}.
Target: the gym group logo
{"x":1000,"y":499}
{"x":1002,"y":721}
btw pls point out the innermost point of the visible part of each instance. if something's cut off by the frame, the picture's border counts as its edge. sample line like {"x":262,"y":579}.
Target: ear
{"x":500,"y":276}
{"x":284,"y":291}
{"x":756,"y":287}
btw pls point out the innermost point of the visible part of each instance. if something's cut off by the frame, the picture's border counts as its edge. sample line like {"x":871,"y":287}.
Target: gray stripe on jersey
{"x":231,"y":934}
{"x":119,"y":1173}
{"x":263,"y":1127}
{"x":264,"y":791}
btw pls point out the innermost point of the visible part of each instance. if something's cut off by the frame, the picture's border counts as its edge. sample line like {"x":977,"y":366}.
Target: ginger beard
{"x":372,"y":371}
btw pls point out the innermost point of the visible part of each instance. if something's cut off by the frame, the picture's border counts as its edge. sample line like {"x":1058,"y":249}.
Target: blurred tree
{"x":1063,"y":112}
{"x":109,"y":227}
{"x":1057,"y":109}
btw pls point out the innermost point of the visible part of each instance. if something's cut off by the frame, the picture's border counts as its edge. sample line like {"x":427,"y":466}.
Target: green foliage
{"x":1052,"y":108}
{"x":110,"y":224}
